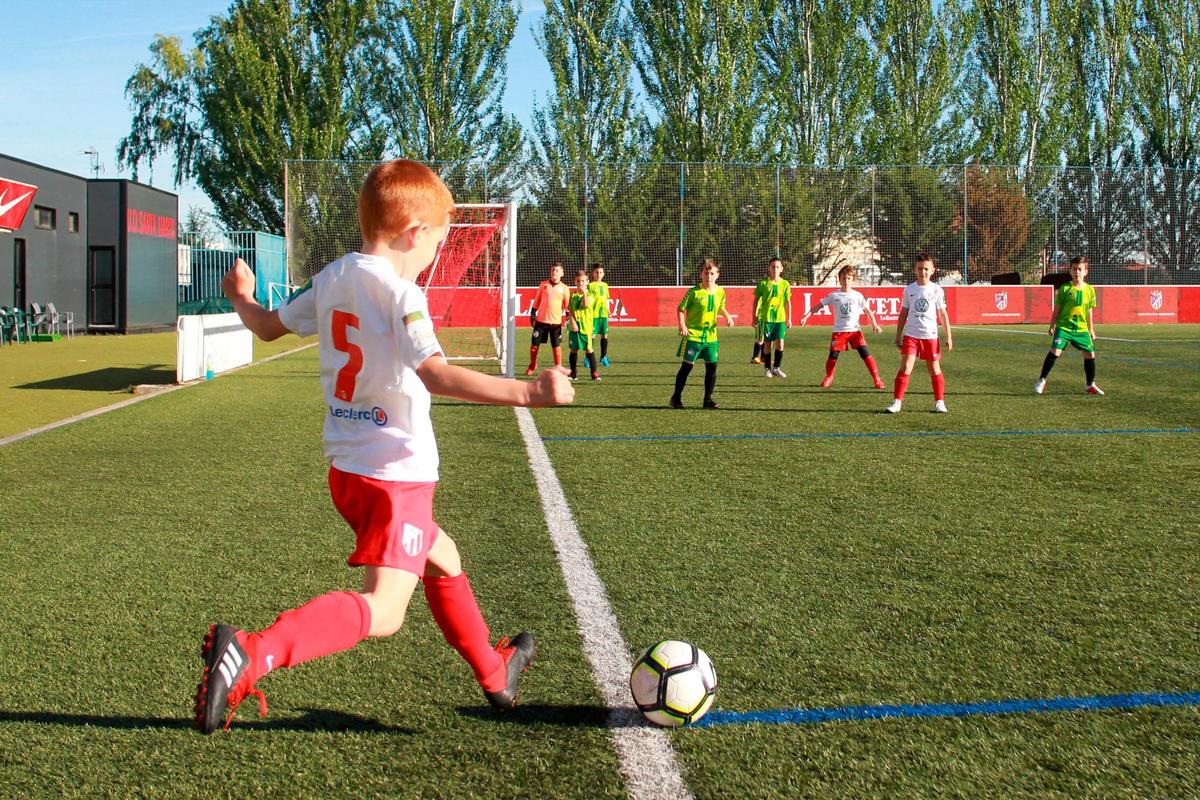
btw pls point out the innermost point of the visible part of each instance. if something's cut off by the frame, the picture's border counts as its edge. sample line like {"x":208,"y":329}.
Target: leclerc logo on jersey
{"x":376,"y":415}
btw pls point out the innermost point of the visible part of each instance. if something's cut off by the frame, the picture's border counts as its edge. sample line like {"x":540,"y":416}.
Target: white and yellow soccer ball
{"x":673,"y":683}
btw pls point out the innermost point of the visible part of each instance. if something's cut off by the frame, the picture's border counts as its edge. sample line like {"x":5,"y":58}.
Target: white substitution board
{"x":219,"y":341}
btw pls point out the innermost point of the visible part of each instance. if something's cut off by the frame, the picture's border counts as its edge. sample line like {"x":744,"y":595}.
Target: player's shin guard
{"x":778,"y":358}
{"x":681,"y":377}
{"x":454,"y":609}
{"x":758,"y":346}
{"x":604,"y":347}
{"x":710,"y":379}
{"x":939,"y":386}
{"x":901,"y":385}
{"x":1048,"y":364}
{"x":327,"y":624}
{"x":574,"y":360}
{"x":558,"y":356}
{"x":1089,"y":370}
{"x":591,"y":362}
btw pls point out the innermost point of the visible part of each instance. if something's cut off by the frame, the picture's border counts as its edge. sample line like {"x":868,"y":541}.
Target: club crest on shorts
{"x":412,"y":539}
{"x":1001,"y":300}
{"x":1156,"y":299}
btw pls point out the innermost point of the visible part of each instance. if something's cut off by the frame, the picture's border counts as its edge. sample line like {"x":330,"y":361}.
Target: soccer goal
{"x":471,"y":286}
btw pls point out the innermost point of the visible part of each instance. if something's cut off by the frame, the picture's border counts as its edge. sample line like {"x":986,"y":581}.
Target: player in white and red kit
{"x":848,"y":306}
{"x":380,"y":360}
{"x":923,"y":306}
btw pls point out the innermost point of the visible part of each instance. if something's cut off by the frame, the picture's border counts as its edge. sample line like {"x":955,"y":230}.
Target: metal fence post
{"x":965,"y":267}
{"x":778,"y":217}
{"x":679,"y":254}
{"x":585,"y":215}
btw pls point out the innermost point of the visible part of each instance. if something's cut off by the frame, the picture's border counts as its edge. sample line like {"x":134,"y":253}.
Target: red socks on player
{"x":901,"y":385}
{"x":457,"y":614}
{"x":558,"y":356}
{"x":830,"y":366}
{"x":533,"y":351}
{"x":327,"y":624}
{"x":871,"y":365}
{"x":939,"y":386}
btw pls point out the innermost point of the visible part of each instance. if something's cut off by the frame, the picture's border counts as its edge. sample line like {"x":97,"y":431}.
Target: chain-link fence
{"x":653,"y":223}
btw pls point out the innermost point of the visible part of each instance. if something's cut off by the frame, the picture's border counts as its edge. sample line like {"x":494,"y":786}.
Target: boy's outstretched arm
{"x":238,"y":286}
{"x":551,"y":388}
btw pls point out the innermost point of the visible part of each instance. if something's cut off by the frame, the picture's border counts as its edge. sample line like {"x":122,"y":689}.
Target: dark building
{"x":104,"y":249}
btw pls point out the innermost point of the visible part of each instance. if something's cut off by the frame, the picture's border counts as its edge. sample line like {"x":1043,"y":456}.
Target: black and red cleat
{"x":517,"y":655}
{"x":225,"y":681}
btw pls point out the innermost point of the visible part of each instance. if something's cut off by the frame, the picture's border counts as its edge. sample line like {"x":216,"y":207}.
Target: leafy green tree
{"x":438,"y":75}
{"x":1017,"y":80}
{"x":273,"y":80}
{"x":921,"y":48}
{"x":819,"y":79}
{"x":1164,"y":80}
{"x":699,"y":70}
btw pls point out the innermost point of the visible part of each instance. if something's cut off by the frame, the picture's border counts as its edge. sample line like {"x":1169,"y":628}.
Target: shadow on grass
{"x":565,"y":716}
{"x":314,"y":720}
{"x":109,"y":379}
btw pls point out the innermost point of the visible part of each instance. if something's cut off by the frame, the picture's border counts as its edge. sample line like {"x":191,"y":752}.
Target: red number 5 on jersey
{"x":347,"y":375}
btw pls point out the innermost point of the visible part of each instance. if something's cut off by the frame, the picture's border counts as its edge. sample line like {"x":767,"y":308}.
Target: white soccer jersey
{"x":923,"y":303}
{"x":847,"y":308}
{"x":374,"y":331}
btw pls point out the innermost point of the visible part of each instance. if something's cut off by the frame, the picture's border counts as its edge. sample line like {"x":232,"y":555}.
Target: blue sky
{"x":64,"y":64}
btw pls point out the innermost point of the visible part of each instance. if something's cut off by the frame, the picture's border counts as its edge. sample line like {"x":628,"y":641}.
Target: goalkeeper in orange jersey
{"x":547,"y":316}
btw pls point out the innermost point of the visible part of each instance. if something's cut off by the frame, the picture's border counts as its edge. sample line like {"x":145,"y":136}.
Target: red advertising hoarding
{"x":15,"y":199}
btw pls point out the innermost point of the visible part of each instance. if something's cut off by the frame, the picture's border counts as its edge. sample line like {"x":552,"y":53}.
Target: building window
{"x":73,"y":222}
{"x":44,"y":218}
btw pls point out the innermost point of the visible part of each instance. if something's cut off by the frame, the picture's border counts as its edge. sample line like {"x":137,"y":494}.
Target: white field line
{"x":95,"y":412}
{"x":644,"y":752}
{"x":1043,"y":333}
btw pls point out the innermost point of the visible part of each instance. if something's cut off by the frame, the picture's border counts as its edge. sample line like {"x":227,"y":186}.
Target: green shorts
{"x":774,"y":331}
{"x":1080,"y":341}
{"x":700,"y":351}
{"x":600,"y":326}
{"x":579,"y":341}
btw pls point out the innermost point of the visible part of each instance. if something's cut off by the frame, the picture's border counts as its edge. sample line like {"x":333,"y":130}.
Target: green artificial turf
{"x":817,"y":570}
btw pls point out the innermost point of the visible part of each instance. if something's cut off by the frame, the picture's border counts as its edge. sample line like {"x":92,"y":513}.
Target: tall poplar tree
{"x":273,"y":80}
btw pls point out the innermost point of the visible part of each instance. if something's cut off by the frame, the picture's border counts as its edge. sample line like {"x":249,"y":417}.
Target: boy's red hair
{"x":397,"y":194}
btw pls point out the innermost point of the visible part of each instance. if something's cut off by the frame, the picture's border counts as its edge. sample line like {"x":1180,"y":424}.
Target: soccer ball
{"x":673,"y":683}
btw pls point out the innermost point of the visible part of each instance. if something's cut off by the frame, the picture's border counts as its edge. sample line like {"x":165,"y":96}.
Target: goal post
{"x":470,"y":287}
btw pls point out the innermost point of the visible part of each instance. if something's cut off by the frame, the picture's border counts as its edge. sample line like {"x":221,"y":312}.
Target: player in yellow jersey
{"x":698,"y":312}
{"x":579,"y":322}
{"x":1074,"y":303}
{"x":598,"y":289}
{"x":773,"y":301}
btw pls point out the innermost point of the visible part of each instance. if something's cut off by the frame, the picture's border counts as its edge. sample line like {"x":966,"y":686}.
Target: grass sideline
{"x":816,"y":572}
{"x":44,"y":382}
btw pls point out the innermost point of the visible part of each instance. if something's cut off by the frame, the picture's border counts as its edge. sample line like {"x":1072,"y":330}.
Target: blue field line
{"x":696,"y":437}
{"x":816,"y":716}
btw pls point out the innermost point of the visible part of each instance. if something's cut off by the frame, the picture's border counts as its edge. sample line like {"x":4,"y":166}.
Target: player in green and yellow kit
{"x":698,"y":312}
{"x":580,"y":321}
{"x":763,"y":289}
{"x":773,"y":304}
{"x":1074,"y":304}
{"x":598,"y":289}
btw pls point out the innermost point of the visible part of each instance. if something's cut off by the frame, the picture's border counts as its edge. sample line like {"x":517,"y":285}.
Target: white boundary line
{"x":95,"y":412}
{"x":644,"y":752}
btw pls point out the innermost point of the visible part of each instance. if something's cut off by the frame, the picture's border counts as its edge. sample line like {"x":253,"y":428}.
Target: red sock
{"x":830,"y":366}
{"x":939,"y":386}
{"x":558,"y":356}
{"x":457,"y":614}
{"x":533,"y":350}
{"x":901,"y":385}
{"x":871,"y":365}
{"x":327,"y":624}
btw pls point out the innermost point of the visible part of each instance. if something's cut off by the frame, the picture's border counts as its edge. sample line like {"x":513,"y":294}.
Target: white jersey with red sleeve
{"x":847,"y":308}
{"x":374,"y":331}
{"x":923,"y":303}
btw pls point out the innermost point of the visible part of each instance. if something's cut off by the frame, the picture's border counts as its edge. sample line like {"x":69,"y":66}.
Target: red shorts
{"x":392,"y":520}
{"x":924,"y":349}
{"x":847,"y":340}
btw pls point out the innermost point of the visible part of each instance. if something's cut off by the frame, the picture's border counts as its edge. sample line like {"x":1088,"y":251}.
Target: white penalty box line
{"x":644,"y":752}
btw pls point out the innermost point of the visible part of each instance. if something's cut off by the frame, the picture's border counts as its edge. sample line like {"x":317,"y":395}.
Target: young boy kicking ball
{"x":380,"y":360}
